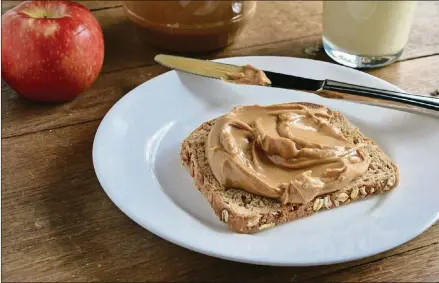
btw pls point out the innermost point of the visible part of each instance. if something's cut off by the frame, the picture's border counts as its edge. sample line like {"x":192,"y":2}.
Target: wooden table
{"x":58,"y":224}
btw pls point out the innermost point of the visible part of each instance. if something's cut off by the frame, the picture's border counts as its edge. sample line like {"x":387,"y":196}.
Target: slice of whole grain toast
{"x":248,"y":213}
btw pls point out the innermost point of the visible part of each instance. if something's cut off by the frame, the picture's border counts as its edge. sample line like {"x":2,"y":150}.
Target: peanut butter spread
{"x":249,"y":76}
{"x":288,"y":152}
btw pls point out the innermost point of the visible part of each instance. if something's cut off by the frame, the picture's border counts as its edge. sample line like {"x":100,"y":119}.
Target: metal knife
{"x":325,"y":88}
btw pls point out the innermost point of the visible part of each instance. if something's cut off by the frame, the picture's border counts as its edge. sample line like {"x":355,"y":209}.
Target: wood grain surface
{"x":57,"y":223}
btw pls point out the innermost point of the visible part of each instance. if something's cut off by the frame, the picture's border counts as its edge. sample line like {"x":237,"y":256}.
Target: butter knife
{"x":325,"y":88}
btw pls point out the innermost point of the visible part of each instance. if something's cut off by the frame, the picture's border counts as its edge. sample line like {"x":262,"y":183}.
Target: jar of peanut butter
{"x":190,"y":26}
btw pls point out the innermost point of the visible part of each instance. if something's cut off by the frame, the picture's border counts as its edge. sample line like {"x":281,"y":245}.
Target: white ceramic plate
{"x":136,"y":158}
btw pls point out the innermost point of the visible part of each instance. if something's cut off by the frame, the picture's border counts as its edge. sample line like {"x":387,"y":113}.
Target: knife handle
{"x":381,"y":97}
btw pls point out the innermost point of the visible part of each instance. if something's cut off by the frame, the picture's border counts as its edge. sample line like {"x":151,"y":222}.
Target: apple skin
{"x":51,"y":50}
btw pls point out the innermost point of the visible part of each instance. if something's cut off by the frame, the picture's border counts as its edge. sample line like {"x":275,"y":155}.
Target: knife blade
{"x":325,"y":88}
{"x":199,"y":67}
{"x":221,"y":70}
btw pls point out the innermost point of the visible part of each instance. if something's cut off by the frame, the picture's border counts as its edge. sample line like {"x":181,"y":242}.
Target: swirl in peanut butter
{"x":287,"y":152}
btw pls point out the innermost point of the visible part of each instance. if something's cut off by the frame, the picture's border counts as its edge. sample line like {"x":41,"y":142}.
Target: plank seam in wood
{"x":417,"y":57}
{"x":374,"y":261}
{"x":104,"y":8}
{"x":54,"y":128}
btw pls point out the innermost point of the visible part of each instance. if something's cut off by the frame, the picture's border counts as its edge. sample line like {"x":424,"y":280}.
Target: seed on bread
{"x":318,"y":204}
{"x":342,"y":197}
{"x":354,"y":193}
{"x":225,"y":215}
{"x":363,"y":191}
{"x":328,"y":202}
{"x":266,"y":226}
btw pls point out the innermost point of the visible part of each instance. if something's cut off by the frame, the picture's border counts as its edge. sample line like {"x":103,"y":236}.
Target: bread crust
{"x":244,"y":212}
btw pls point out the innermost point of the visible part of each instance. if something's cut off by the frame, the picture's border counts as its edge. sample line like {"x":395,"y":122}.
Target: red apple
{"x":51,"y":50}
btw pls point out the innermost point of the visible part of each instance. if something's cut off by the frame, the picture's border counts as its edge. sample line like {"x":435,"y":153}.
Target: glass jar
{"x":190,"y":26}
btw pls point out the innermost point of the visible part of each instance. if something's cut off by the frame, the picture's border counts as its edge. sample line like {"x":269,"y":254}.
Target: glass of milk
{"x":366,"y":34}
